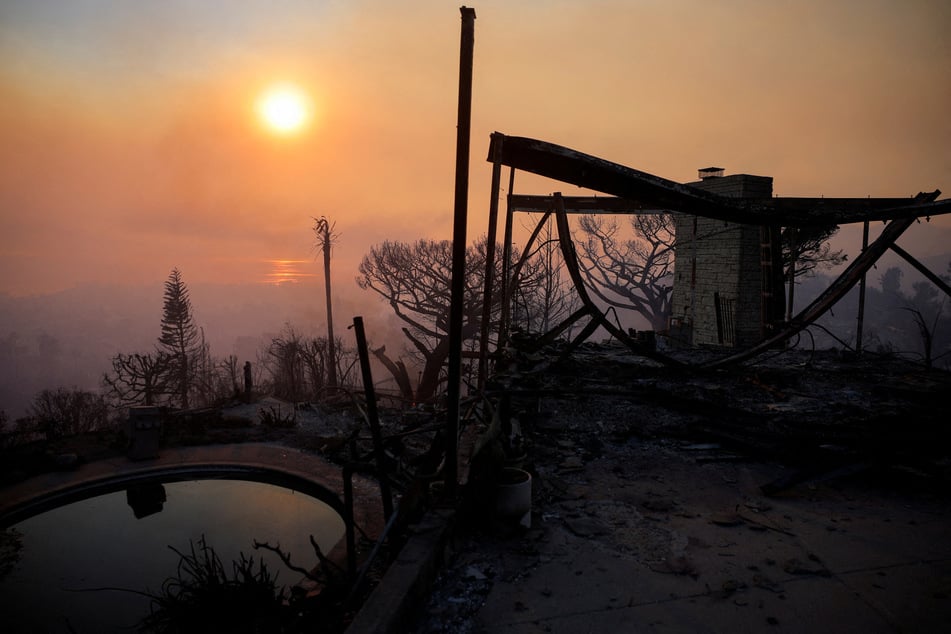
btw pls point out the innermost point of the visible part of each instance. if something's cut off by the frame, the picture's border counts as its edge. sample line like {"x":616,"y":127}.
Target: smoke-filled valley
{"x":67,"y":339}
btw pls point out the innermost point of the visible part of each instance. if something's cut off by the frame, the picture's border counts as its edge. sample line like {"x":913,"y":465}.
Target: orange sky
{"x":131,"y":143}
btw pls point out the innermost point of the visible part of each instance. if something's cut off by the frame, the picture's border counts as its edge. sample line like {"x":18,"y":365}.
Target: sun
{"x":284,"y":108}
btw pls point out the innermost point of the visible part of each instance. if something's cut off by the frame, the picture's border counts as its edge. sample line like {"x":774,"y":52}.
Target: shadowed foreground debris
{"x":806,"y":493}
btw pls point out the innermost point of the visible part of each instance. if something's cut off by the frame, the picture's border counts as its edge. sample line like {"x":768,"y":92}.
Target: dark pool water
{"x":70,"y":553}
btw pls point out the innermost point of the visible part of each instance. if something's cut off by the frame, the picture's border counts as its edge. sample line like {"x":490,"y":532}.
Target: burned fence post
{"x":373,"y":416}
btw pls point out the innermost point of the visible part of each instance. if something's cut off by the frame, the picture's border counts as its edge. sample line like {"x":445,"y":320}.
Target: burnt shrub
{"x":62,"y":412}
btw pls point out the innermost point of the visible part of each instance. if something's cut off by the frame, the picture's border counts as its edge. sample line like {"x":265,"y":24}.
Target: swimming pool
{"x":117,"y":536}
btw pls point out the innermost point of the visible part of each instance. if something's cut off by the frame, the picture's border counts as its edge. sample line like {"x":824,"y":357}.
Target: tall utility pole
{"x":460,"y":215}
{"x":323,"y":229}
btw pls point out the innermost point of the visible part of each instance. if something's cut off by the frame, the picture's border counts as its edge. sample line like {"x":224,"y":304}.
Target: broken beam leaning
{"x":836,"y":291}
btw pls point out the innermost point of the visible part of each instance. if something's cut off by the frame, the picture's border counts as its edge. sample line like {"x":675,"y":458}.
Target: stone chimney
{"x":718,"y":280}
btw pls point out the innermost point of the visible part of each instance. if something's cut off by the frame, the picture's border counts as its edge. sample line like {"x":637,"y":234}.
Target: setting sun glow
{"x":284,"y":108}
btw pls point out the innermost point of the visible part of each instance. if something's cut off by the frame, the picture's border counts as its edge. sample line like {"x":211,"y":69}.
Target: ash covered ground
{"x":733,"y":497}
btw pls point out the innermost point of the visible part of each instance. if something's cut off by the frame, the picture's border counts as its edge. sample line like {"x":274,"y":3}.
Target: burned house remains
{"x":726,"y":291}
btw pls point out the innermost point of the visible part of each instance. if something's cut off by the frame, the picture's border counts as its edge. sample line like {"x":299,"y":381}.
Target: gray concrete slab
{"x":644,"y":538}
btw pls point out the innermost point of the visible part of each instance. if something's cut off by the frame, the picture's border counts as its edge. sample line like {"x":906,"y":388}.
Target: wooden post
{"x":489,"y":269}
{"x":506,"y":299}
{"x":374,"y":418}
{"x":791,"y":280}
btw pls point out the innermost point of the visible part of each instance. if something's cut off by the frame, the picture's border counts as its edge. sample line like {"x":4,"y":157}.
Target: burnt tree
{"x":634,"y":273}
{"x":323,"y":230}
{"x":414,"y":279}
{"x":137,"y":379}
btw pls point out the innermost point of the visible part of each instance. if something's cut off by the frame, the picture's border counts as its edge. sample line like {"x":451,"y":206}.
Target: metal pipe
{"x":458,"y":284}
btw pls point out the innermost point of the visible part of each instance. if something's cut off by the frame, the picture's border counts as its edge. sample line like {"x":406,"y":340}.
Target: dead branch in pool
{"x":332,"y":569}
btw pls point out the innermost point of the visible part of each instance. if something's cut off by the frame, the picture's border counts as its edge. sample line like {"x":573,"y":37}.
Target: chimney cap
{"x":710,"y":172}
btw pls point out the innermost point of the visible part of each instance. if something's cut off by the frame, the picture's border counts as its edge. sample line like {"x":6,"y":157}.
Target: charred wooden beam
{"x":489,"y":275}
{"x":640,"y":192}
{"x":787,"y":211}
{"x":570,"y":166}
{"x":582,"y":205}
{"x":837,"y":211}
{"x":373,"y":417}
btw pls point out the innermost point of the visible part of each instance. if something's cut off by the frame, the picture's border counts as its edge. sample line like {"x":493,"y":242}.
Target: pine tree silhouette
{"x":180,"y":339}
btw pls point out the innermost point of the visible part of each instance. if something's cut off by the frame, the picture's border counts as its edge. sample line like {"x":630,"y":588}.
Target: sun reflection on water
{"x":286,"y":272}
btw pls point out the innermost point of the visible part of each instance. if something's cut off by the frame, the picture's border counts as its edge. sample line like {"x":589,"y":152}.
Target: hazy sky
{"x":131,"y":142}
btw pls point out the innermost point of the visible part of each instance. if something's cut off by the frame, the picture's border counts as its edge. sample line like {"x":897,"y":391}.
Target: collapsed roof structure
{"x":630,"y":191}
